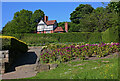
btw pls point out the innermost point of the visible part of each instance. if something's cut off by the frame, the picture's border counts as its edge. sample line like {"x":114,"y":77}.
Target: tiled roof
{"x":58,"y":29}
{"x":50,"y":22}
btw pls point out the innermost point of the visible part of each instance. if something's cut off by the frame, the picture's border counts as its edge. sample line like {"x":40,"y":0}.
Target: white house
{"x":49,"y":26}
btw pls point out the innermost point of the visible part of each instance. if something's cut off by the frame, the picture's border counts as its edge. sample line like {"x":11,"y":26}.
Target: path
{"x":24,"y":66}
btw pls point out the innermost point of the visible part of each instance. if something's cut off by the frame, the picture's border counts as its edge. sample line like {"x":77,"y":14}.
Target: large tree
{"x":80,"y":12}
{"x":114,"y":6}
{"x":99,"y":20}
{"x":24,"y":21}
{"x":36,"y":17}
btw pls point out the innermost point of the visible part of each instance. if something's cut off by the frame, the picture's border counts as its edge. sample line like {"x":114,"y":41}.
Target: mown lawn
{"x":85,"y":69}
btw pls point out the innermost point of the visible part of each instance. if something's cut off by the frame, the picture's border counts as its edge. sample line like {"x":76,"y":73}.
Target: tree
{"x":80,"y":12}
{"x":23,"y":22}
{"x":99,"y":20}
{"x":72,"y":27}
{"x":35,"y":19}
{"x":114,"y":6}
{"x":61,"y":24}
{"x":20,"y":22}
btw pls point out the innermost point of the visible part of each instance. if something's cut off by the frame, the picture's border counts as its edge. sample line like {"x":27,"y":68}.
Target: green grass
{"x":90,"y":69}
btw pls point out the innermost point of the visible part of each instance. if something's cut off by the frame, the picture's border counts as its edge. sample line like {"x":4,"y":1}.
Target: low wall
{"x":4,"y":58}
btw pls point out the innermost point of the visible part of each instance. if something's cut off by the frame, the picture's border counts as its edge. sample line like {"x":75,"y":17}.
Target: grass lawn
{"x":106,"y":68}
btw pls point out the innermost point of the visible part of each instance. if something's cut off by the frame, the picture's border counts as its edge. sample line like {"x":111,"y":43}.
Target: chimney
{"x":66,"y":27}
{"x":45,"y":18}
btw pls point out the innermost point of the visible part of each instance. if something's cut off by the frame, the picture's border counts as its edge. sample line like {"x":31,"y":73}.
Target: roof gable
{"x":51,"y":22}
{"x":41,"y":22}
{"x":58,"y":29}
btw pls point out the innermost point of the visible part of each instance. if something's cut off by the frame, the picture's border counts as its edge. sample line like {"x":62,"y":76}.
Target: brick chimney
{"x":45,"y":18}
{"x":66,"y":27}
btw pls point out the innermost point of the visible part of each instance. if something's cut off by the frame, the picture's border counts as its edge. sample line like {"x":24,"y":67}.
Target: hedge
{"x":111,"y":35}
{"x":60,"y":37}
{"x":95,"y":37}
{"x":12,"y":43}
{"x":17,"y":48}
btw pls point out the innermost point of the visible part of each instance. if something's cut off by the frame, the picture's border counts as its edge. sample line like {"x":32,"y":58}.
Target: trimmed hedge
{"x":6,"y":43}
{"x":16,"y":47}
{"x":40,"y":39}
{"x":12,"y":43}
{"x":95,"y":37}
{"x":111,"y":35}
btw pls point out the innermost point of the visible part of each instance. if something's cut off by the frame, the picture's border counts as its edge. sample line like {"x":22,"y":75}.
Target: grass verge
{"x":85,"y":69}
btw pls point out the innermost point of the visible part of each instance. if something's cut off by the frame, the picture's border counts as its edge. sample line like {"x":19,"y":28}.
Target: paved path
{"x":24,"y":67}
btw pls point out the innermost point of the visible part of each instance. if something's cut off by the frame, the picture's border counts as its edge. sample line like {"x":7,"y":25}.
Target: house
{"x":45,"y":26}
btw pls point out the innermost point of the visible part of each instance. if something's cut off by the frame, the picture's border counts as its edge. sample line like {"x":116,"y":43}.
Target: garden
{"x":80,"y":61}
{"x":89,"y":50}
{"x":62,"y":53}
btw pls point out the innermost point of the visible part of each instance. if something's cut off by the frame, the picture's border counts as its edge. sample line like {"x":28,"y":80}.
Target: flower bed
{"x":63,"y":53}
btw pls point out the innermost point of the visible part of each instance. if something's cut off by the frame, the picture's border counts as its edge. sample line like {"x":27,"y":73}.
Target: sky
{"x":59,"y":11}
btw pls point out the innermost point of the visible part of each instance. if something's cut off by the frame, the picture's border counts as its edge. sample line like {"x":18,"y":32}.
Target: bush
{"x":6,"y":42}
{"x":95,"y":37}
{"x":12,"y":43}
{"x":16,"y":47}
{"x":110,"y":35}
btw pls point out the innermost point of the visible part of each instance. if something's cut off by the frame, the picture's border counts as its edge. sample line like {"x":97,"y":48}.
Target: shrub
{"x":16,"y":47}
{"x":110,"y":35}
{"x":12,"y":43}
{"x":95,"y":37}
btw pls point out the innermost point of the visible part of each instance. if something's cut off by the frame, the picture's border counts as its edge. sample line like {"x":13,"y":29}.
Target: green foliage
{"x":61,"y":24}
{"x":6,"y":43}
{"x":95,"y":37}
{"x":114,"y":6}
{"x":41,"y":39}
{"x":18,"y":46}
{"x":110,"y":35}
{"x":35,"y":19}
{"x":24,"y":21}
{"x":80,"y":12}
{"x":13,"y":45}
{"x":99,"y":19}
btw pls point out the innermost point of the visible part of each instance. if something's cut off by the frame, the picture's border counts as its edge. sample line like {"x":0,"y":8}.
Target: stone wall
{"x":4,"y":58}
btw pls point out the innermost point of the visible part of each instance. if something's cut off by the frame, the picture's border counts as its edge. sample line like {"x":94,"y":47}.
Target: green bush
{"x":16,"y":47}
{"x":95,"y":37}
{"x":6,"y":43}
{"x":13,"y":44}
{"x":110,"y":35}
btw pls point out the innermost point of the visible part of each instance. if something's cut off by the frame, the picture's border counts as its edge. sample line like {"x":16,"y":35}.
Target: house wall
{"x":49,"y":27}
{"x":41,"y":26}
{"x":52,"y":31}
